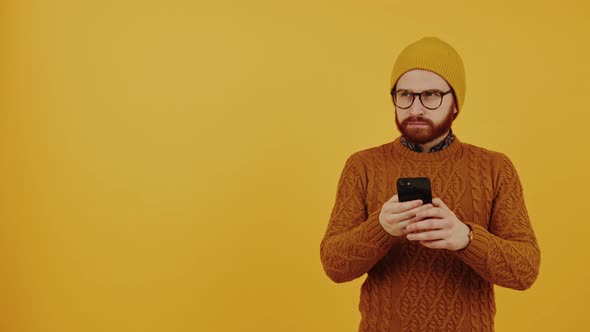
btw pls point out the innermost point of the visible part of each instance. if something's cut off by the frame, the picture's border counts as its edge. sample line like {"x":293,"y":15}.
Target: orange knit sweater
{"x":413,"y":288}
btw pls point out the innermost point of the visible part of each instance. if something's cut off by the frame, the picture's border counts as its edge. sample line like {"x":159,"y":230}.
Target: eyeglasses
{"x":431,"y":99}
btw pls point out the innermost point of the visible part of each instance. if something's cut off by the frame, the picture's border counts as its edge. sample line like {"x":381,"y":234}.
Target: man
{"x":430,"y":267}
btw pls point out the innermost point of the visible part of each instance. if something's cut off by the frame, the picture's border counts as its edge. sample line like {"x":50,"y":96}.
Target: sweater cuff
{"x":477,"y":250}
{"x":376,"y":235}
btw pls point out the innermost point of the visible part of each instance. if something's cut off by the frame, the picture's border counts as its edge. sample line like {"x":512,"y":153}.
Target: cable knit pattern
{"x":413,"y":288}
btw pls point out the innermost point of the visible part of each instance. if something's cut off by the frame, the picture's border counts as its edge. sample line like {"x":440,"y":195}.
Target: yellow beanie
{"x":435,"y":55}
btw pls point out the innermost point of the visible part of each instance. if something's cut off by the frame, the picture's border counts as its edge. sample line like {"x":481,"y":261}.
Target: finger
{"x":395,"y":218}
{"x":403,"y":227}
{"x":405,"y":206}
{"x":439,"y":203}
{"x":428,"y":236}
{"x":398,"y":229}
{"x":432,"y":213}
{"x":418,"y":209}
{"x":422,"y":208}
{"x":426,"y":224}
{"x":398,"y":207}
{"x":413,"y":213}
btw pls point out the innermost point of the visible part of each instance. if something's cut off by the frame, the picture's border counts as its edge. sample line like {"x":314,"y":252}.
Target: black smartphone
{"x":409,"y":189}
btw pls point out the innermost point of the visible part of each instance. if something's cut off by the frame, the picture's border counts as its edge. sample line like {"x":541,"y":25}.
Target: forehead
{"x":419,"y":79}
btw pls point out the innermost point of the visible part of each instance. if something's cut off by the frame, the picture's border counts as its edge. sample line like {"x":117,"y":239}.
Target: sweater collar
{"x":440,"y":146}
{"x":398,"y":149}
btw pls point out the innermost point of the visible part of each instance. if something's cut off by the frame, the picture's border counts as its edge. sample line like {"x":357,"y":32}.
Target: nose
{"x":417,"y":108}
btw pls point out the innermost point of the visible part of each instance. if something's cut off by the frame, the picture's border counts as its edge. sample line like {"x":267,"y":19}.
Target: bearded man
{"x":430,"y":266}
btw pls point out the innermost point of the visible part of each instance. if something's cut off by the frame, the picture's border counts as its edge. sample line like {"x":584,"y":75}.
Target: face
{"x":419,"y":124}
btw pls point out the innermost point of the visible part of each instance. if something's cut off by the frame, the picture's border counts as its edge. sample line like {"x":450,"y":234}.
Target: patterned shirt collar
{"x":442,"y":145}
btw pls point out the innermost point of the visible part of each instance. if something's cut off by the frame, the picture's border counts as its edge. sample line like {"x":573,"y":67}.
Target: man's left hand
{"x":439,"y":228}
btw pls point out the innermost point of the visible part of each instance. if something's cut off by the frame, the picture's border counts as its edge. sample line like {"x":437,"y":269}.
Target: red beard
{"x":425,"y":134}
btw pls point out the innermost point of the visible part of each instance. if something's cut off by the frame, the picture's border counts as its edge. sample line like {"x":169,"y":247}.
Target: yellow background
{"x":171,"y":165}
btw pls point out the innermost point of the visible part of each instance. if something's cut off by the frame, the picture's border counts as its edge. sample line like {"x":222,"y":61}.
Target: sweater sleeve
{"x":354,"y":240}
{"x":506,"y":254}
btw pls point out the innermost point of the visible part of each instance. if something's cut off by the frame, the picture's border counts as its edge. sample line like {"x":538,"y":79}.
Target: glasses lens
{"x":431,"y":99}
{"x":403,"y":98}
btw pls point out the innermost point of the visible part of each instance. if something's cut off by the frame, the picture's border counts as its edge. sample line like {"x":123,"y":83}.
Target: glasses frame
{"x":419,"y":94}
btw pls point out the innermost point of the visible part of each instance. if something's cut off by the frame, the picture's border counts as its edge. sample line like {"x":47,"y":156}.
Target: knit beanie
{"x":435,"y":55}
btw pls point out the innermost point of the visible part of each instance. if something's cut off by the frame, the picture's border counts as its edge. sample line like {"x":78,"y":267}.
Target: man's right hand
{"x":395,"y":216}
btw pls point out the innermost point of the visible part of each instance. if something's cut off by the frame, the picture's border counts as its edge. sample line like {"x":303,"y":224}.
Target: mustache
{"x":417,"y":119}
